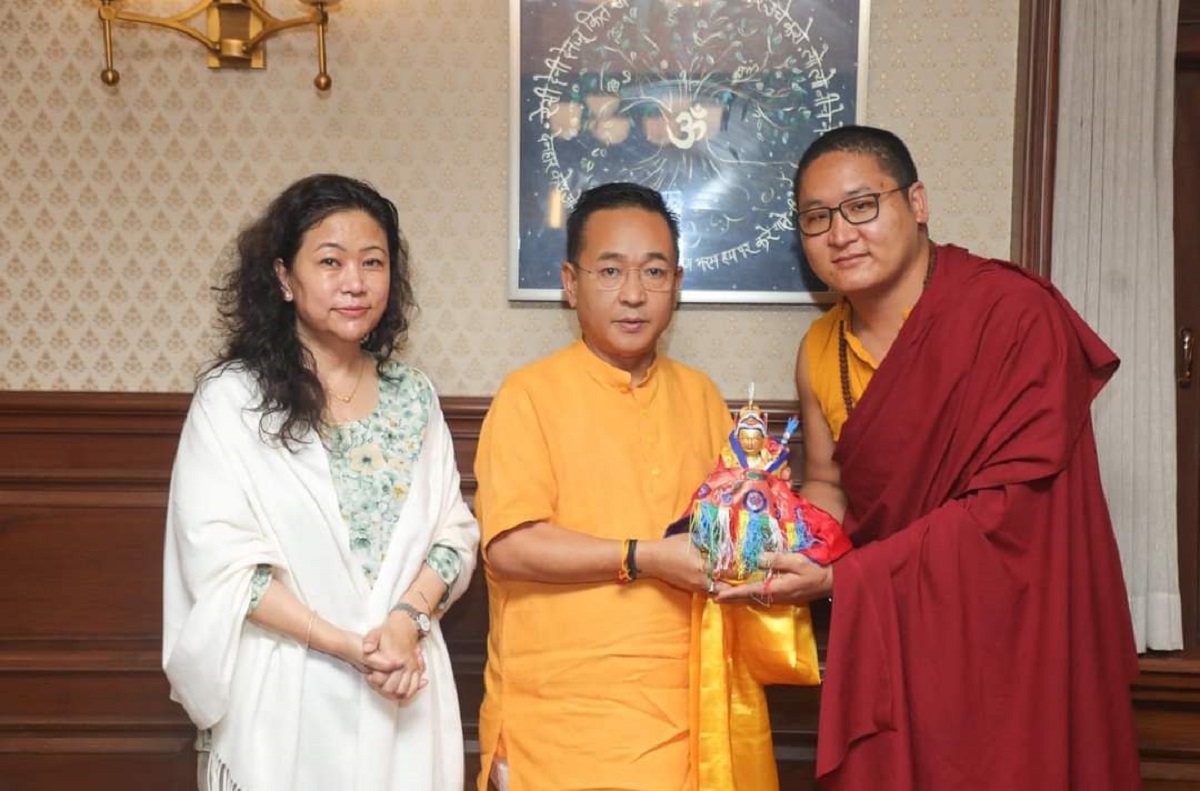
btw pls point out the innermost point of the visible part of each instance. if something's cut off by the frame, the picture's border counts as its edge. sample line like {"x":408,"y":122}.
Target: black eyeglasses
{"x":857,"y":210}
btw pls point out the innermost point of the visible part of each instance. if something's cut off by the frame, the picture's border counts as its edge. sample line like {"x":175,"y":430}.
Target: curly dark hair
{"x":259,"y":326}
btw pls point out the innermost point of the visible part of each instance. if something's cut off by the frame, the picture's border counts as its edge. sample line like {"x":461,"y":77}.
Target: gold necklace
{"x":362,"y":366}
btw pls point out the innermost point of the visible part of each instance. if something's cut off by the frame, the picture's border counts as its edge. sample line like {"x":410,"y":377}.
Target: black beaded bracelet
{"x":631,"y":559}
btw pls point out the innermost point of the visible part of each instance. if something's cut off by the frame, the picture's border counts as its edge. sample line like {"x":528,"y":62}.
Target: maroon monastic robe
{"x":981,"y":636}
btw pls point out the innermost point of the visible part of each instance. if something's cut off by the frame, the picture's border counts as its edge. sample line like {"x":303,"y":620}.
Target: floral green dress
{"x":372,"y":460}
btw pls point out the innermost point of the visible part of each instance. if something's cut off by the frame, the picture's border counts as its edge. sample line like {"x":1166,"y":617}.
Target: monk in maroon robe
{"x":980,"y":636}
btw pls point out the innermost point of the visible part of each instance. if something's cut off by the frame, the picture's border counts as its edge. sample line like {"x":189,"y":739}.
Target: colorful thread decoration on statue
{"x":744,"y":508}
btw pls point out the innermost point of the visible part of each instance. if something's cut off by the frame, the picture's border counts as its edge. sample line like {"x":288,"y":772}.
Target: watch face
{"x":423,"y":621}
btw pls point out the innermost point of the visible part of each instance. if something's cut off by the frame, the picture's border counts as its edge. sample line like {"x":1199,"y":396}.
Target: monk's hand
{"x":392,"y":654}
{"x":792,"y":579}
{"x":675,"y":561}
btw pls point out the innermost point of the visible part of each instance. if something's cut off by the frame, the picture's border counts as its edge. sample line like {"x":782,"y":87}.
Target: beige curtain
{"x":1113,"y":257}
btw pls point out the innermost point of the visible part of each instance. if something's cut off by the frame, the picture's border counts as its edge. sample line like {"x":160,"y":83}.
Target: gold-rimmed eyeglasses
{"x":856,"y":211}
{"x":653,"y":277}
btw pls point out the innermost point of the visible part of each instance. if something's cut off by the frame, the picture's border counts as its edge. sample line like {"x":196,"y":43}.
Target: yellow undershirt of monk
{"x":824,"y":370}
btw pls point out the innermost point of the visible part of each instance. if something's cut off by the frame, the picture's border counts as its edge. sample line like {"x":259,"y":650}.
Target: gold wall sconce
{"x":236,"y":32}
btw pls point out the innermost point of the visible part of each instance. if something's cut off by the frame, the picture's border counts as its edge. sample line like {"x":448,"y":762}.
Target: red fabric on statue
{"x":738,"y":513}
{"x":980,"y":636}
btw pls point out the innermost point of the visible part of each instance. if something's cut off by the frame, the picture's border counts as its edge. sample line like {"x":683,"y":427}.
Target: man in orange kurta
{"x":604,"y":441}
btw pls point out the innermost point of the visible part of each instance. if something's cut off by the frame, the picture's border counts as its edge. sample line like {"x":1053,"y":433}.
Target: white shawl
{"x":284,"y":718}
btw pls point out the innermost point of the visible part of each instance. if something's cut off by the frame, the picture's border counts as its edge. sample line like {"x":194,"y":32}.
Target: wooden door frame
{"x":1187,"y":56}
{"x":1036,"y":134}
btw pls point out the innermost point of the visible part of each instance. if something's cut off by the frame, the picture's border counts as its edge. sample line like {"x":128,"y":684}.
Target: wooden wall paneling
{"x":1167,"y":702}
{"x":83,"y":702}
{"x":110,"y":771}
{"x":83,"y":481}
{"x":59,"y":547}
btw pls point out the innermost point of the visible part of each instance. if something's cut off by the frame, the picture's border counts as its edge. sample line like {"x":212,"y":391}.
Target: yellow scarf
{"x":735,"y":650}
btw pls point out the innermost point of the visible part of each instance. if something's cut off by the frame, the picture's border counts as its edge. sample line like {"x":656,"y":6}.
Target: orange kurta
{"x":586,"y":685}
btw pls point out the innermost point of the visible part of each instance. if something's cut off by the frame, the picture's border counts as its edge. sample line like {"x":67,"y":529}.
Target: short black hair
{"x":617,"y":195}
{"x":888,"y":149}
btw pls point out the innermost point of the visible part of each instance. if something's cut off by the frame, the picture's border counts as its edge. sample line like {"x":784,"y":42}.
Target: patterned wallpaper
{"x":117,"y":206}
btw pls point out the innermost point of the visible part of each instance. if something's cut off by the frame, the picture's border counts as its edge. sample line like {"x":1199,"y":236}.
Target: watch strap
{"x":421,"y":619}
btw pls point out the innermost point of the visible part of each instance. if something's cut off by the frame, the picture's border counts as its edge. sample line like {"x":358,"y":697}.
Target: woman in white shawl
{"x":315,"y":527}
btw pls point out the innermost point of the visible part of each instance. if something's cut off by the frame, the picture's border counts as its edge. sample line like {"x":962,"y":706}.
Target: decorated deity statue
{"x":744,"y":508}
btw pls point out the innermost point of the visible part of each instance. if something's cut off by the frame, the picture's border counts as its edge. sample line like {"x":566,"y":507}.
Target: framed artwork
{"x":711,"y":102}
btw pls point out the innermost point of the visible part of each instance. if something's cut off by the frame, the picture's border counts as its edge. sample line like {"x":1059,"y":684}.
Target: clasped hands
{"x":391,"y":658}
